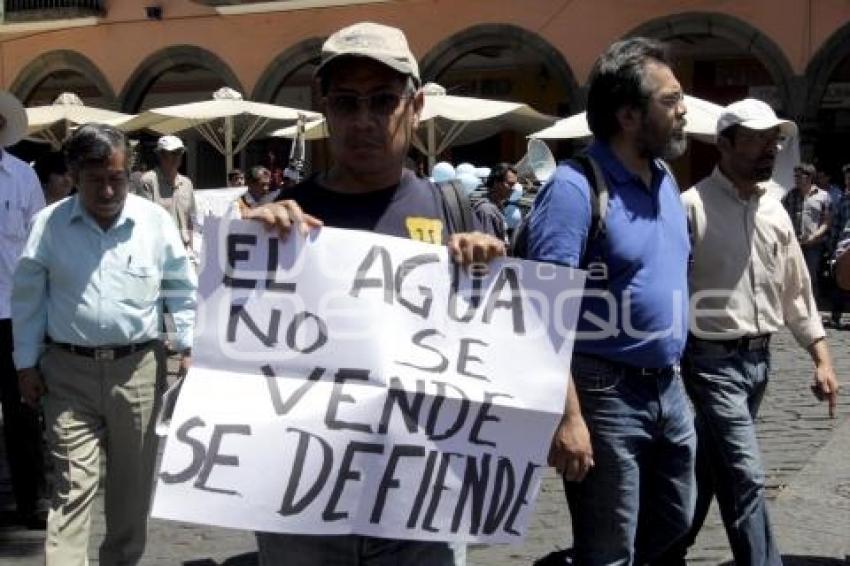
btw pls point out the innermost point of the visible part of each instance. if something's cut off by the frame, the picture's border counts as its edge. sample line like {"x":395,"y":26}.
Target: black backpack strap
{"x":598,"y":207}
{"x":457,"y":208}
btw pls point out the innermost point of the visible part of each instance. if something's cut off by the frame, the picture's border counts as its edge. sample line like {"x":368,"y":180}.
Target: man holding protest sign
{"x":86,"y":329}
{"x":372,"y":100}
{"x":626,"y":443}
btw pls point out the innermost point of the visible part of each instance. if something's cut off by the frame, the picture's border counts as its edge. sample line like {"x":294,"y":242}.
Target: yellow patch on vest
{"x":428,"y":230}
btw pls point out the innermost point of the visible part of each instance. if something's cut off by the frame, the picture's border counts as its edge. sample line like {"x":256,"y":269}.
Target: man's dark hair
{"x":499,"y":173}
{"x":234,"y":174}
{"x":92,"y":144}
{"x":619,"y":79}
{"x":254,"y":173}
{"x":51,"y":164}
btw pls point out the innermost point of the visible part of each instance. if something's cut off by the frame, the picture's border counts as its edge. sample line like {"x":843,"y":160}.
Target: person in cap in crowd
{"x":840,"y":218}
{"x":809,"y":208}
{"x":21,"y":198}
{"x":748,"y":279}
{"x":86,"y":329}
{"x":235,"y":178}
{"x":54,"y":178}
{"x":626,"y":443}
{"x":166,"y":186}
{"x":372,"y":99}
{"x":259,"y":190}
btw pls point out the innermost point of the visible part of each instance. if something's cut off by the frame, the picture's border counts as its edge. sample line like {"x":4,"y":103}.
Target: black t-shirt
{"x":412,"y":209}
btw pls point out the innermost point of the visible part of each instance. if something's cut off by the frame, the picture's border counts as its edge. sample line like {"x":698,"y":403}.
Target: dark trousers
{"x":21,"y":431}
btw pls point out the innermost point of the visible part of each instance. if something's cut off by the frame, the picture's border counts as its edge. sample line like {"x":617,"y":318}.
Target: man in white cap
{"x":20,"y":198}
{"x":749,"y":278}
{"x":372,"y":99}
{"x":167,"y":187}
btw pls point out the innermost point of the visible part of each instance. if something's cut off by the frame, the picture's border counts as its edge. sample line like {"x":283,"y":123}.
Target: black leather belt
{"x":758,"y":343}
{"x":105,"y":353}
{"x":634,"y":370}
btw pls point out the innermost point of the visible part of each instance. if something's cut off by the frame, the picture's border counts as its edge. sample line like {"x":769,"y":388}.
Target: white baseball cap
{"x":170,"y":143}
{"x":754,"y":115}
{"x":384,"y":44}
{"x":16,"y":119}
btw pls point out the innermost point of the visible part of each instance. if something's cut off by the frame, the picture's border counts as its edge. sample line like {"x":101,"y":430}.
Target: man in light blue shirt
{"x":86,"y":305}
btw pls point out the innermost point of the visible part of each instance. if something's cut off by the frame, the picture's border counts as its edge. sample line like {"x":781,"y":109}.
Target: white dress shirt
{"x":20,"y":198}
{"x":749,"y":276}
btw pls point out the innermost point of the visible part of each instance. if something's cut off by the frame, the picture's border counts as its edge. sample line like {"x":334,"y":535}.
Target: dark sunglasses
{"x":379,"y":104}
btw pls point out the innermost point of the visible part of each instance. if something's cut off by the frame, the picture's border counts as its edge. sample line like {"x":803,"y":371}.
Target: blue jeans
{"x":277,"y":549}
{"x":726,"y":387}
{"x":639,"y":497}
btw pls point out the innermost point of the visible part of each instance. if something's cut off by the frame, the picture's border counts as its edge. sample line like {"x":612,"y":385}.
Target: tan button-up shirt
{"x":749,"y":276}
{"x":178,"y":199}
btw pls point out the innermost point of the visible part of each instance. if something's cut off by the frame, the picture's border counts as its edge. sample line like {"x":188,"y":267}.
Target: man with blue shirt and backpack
{"x":626,"y":443}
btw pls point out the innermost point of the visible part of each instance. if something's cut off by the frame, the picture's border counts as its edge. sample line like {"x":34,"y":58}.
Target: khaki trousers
{"x":92,"y":405}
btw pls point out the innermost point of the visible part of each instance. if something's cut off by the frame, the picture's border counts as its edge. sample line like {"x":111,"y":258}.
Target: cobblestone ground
{"x":793,"y":427}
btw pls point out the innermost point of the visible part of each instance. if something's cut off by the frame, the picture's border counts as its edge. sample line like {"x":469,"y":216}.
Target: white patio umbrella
{"x":55,"y":122}
{"x":227,"y":121}
{"x":701,"y":122}
{"x":448,"y":120}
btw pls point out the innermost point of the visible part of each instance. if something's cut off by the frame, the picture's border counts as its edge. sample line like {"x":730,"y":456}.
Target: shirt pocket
{"x":12,"y":224}
{"x":139,"y":283}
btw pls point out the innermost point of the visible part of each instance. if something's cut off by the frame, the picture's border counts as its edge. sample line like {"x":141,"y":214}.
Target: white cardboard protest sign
{"x":343,"y":384}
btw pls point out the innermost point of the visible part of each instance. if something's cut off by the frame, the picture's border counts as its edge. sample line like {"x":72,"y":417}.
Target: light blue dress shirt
{"x":83,"y":285}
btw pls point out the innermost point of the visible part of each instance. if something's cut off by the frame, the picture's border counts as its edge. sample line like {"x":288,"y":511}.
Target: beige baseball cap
{"x":384,"y":44}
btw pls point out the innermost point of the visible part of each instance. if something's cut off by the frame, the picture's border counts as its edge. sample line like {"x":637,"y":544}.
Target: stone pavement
{"x":807,"y":457}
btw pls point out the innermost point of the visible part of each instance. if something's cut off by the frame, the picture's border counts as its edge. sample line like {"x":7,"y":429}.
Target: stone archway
{"x":44,"y":66}
{"x":822,"y":66}
{"x":502,"y":62}
{"x":745,"y":37}
{"x":482,"y":37}
{"x":156,"y":64}
{"x":826,"y":117}
{"x":282,"y":67}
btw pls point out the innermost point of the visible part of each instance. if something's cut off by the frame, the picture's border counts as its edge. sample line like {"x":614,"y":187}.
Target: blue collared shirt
{"x":638,"y":314}
{"x":83,"y":285}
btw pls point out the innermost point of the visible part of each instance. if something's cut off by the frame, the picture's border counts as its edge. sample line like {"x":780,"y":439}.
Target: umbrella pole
{"x":432,"y":144}
{"x":228,"y":145}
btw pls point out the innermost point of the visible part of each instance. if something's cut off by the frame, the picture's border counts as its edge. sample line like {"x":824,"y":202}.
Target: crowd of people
{"x":660,"y":414}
